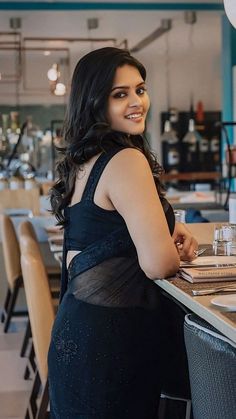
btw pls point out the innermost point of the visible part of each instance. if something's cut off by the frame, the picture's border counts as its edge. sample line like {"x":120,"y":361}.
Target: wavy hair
{"x":86,"y":129}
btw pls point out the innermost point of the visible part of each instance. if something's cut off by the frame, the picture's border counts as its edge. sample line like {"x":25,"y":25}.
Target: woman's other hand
{"x":185,"y":243}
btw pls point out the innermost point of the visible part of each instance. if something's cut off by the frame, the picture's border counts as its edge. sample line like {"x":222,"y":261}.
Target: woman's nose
{"x":135,"y":99}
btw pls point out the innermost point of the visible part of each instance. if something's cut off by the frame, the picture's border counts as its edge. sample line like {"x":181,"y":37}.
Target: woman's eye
{"x":141,"y":90}
{"x":119,"y":95}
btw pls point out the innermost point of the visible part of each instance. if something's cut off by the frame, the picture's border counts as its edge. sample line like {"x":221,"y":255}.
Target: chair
{"x":212,"y":367}
{"x":11,"y":253}
{"x":46,"y":186}
{"x":20,"y":198}
{"x":175,"y":400}
{"x":26,"y":229}
{"x":41,"y":314}
{"x":54,"y":272}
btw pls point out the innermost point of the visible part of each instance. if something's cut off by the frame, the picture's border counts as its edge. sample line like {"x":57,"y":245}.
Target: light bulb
{"x":53,"y":73}
{"x":192,"y":137}
{"x":169,"y":134}
{"x":60,"y":89}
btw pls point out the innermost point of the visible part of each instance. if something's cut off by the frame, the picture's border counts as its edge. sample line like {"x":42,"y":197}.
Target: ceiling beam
{"x":64,"y":5}
{"x":165,"y":27}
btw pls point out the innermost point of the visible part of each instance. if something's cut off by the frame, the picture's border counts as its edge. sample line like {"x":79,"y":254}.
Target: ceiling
{"x":121,"y":25}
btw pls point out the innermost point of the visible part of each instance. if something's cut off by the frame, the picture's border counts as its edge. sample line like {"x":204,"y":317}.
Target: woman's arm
{"x":131,"y":190}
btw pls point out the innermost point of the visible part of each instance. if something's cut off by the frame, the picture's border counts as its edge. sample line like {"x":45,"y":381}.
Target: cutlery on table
{"x":199,"y":252}
{"x":226,"y":288}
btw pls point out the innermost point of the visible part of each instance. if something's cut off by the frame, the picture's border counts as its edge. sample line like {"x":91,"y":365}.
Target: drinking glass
{"x":179,"y":215}
{"x":222,"y":243}
{"x":231,"y":245}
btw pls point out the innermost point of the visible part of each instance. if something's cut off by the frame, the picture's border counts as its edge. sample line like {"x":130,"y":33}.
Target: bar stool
{"x":175,"y":400}
{"x":53,"y":273}
{"x":41,"y":314}
{"x":11,"y":254}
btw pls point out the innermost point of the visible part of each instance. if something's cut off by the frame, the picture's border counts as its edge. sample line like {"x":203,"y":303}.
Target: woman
{"x":105,"y":357}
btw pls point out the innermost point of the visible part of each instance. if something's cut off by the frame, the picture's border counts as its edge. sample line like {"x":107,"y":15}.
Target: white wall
{"x":199,"y":71}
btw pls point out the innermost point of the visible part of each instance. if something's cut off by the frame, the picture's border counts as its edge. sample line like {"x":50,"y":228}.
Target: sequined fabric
{"x":106,"y":354}
{"x":105,"y":363}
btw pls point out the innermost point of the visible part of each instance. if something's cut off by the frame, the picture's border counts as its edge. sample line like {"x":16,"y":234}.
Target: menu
{"x":209,"y":268}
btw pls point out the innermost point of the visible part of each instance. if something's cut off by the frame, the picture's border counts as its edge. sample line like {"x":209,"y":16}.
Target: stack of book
{"x":209,"y":269}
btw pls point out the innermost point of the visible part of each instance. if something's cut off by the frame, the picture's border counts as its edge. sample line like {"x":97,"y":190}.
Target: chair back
{"x":26,"y":228}
{"x":39,"y":301}
{"x":20,"y":198}
{"x":46,"y":187}
{"x":11,"y":250}
{"x":212,"y":368}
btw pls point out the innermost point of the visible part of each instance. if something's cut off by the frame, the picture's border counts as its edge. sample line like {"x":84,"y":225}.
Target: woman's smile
{"x":136,"y":117}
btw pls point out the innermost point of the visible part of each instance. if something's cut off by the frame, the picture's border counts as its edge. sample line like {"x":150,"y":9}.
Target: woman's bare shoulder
{"x":128,"y":158}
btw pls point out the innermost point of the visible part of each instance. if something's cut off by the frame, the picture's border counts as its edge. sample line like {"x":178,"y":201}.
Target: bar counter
{"x":181,"y":290}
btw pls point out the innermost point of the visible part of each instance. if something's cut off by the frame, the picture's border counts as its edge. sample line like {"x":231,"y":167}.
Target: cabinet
{"x":204,"y":158}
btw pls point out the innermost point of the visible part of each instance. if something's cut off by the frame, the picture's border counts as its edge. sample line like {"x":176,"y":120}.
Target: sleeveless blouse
{"x":106,"y":271}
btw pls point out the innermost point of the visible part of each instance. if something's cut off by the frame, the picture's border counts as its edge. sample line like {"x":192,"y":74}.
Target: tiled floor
{"x":14,"y":390}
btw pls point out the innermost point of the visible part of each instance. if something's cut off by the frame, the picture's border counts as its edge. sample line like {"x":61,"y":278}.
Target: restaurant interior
{"x":189,"y":51}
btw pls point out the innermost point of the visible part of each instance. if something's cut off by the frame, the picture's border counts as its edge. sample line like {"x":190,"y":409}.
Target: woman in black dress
{"x":106,"y":353}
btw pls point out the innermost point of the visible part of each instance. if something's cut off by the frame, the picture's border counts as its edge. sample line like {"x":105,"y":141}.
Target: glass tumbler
{"x":222,"y":240}
{"x":179,"y":215}
{"x":231,"y":245}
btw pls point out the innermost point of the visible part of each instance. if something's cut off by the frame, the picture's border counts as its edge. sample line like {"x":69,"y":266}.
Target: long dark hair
{"x":86,"y":129}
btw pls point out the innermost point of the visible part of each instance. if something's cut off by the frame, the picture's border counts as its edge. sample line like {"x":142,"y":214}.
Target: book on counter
{"x":209,"y":269}
{"x":208,"y":274}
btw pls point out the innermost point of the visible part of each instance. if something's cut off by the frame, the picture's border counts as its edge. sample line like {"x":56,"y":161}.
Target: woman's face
{"x":128,"y":102}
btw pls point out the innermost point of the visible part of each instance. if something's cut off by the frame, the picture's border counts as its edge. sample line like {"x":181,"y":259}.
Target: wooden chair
{"x":26,"y":228}
{"x":46,"y":186}
{"x":11,"y":254}
{"x":41,"y":314}
{"x":20,"y":198}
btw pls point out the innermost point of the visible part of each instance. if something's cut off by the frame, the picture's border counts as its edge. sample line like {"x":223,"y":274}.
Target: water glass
{"x":179,"y":215}
{"x":231,"y":245}
{"x":224,"y":240}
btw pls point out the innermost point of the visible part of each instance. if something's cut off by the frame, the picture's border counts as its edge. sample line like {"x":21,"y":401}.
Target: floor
{"x":14,"y":390}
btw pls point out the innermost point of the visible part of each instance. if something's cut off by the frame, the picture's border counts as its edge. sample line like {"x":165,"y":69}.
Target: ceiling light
{"x":53,"y":73}
{"x":46,"y":53}
{"x":60,"y":89}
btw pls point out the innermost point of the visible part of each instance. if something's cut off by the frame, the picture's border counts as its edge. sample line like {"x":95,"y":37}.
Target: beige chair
{"x":11,"y":254}
{"x":41,"y":314}
{"x":45,"y":187}
{"x":20,"y":199}
{"x":54,"y":272}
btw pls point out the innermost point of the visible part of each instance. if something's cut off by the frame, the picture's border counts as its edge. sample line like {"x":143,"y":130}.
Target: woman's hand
{"x":186,"y":244}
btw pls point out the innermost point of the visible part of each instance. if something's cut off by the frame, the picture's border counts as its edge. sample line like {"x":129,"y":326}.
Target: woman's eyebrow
{"x":127,"y":87}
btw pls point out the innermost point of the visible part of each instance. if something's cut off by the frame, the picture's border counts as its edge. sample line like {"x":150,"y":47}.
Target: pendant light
{"x":170,"y":141}
{"x":169,"y":134}
{"x":192,"y":137}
